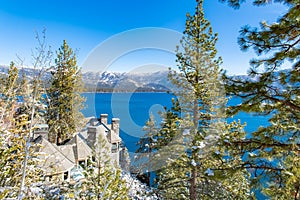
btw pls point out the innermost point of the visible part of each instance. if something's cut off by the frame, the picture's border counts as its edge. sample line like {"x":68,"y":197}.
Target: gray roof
{"x":84,"y":151}
{"x":59,"y":159}
{"x":52,"y":159}
{"x":68,"y":151}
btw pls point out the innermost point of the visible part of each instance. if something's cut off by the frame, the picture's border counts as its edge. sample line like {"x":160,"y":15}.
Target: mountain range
{"x":122,"y":82}
{"x":127,"y":82}
{"x":113,"y":81}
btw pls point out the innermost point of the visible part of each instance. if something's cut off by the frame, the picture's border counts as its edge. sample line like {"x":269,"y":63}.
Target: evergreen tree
{"x":169,"y":126}
{"x":14,"y":131}
{"x":272,"y":150}
{"x":8,"y":99}
{"x":145,"y":149}
{"x":103,"y":178}
{"x":204,"y":165}
{"x":159,"y":143}
{"x":64,"y":100}
{"x":8,"y":105}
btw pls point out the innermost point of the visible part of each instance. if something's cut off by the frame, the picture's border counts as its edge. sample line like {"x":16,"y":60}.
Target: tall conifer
{"x":64,"y":100}
{"x":202,"y":170}
{"x":272,"y":150}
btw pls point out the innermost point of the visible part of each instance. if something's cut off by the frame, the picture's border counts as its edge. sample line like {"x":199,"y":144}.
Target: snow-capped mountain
{"x":29,"y":72}
{"x":123,"y":82}
{"x":114,"y":81}
{"x":111,"y":81}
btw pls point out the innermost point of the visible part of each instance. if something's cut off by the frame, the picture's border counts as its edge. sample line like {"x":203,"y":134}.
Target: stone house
{"x":61,"y":160}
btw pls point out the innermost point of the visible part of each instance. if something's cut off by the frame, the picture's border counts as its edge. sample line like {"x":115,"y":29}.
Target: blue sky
{"x":87,"y":24}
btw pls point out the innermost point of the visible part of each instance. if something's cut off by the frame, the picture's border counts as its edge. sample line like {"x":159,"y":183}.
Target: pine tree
{"x":8,"y":105}
{"x":14,"y":131}
{"x":272,"y":150}
{"x":103,"y":178}
{"x":8,"y":96}
{"x":202,"y":169}
{"x":63,"y":115}
{"x":159,"y":143}
{"x":145,"y":149}
{"x":169,"y":126}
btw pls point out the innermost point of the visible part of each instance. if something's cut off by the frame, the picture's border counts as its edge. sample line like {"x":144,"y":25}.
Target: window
{"x":66,"y":175}
{"x":81,"y":163}
{"x":114,"y":147}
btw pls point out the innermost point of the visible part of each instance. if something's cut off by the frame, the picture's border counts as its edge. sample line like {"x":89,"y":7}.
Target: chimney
{"x":75,"y":149}
{"x":103,"y":119}
{"x":92,"y":135}
{"x":94,"y":122}
{"x":115,"y":125}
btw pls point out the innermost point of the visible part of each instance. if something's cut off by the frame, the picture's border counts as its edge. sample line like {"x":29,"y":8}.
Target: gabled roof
{"x":59,"y":159}
{"x":68,"y":151}
{"x":84,"y":151}
{"x":52,"y":159}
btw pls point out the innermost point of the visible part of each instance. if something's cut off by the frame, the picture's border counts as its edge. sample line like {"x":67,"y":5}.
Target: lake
{"x":134,"y":110}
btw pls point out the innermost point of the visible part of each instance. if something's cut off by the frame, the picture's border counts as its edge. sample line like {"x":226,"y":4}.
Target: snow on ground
{"x":138,"y":190}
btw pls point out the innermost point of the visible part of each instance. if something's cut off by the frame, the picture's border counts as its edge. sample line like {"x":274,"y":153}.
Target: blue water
{"x":134,"y":110}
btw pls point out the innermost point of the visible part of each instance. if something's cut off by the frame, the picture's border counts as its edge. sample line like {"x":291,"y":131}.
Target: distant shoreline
{"x":125,"y":92}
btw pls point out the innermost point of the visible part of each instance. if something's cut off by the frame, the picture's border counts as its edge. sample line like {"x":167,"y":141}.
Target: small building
{"x":60,"y":160}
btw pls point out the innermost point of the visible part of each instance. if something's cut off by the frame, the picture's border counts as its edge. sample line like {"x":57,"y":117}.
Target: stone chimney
{"x":115,"y":125}
{"x":103,"y":119}
{"x":115,"y":139}
{"x":92,"y":135}
{"x":75,"y":149}
{"x":94,"y":122}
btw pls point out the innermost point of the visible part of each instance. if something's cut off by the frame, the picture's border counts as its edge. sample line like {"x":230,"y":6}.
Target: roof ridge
{"x":57,"y":148}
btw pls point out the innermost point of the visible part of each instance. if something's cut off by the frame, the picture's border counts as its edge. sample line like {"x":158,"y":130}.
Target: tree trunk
{"x":148,"y":178}
{"x":193,"y":180}
{"x":149,"y":166}
{"x":58,"y":139}
{"x":193,"y":192}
